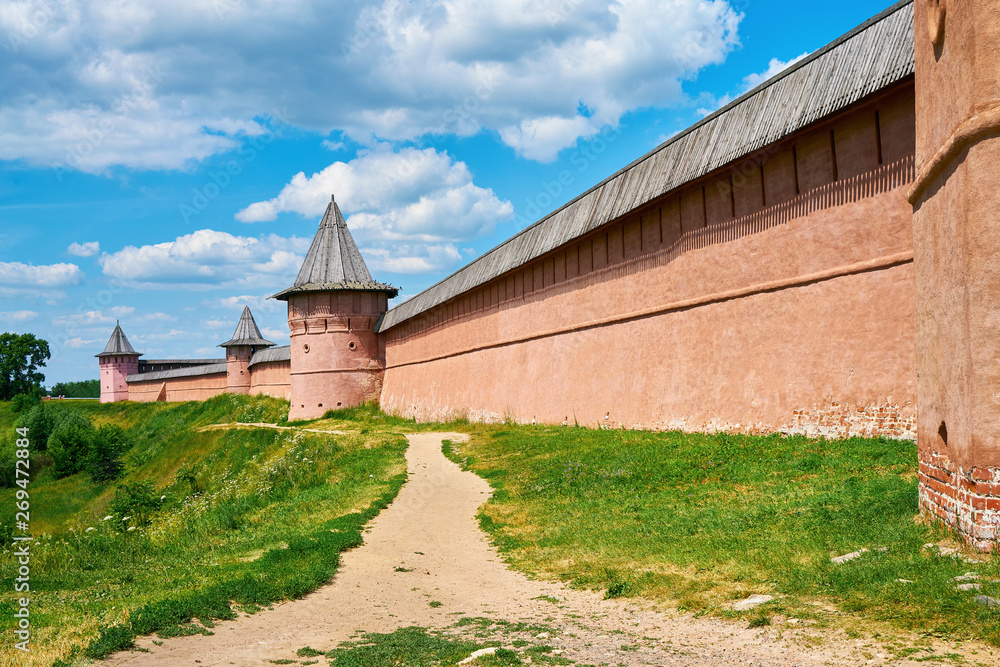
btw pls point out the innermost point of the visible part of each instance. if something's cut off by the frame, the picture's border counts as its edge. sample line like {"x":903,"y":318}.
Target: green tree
{"x":21,"y":355}
{"x":69,"y":444}
{"x":40,"y":422}
{"x":103,"y":461}
{"x":82,"y":389}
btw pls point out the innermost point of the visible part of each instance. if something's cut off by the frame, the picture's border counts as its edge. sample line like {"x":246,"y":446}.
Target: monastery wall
{"x":185,"y":388}
{"x":775,"y":293}
{"x":272,"y":378}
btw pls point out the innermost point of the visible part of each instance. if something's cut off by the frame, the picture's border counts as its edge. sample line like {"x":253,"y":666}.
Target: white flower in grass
{"x":108,"y":517}
{"x":130,"y":529}
{"x":89,"y":529}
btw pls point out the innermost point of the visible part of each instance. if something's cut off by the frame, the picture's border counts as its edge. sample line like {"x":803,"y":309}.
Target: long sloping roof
{"x":280,"y":353}
{"x":876,"y":54}
{"x":247,"y":332}
{"x":208,"y":369}
{"x":333,"y":262}
{"x":118,"y":344}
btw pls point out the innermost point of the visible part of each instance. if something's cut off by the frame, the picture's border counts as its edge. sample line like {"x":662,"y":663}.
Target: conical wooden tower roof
{"x":333,"y":262}
{"x":118,"y":345}
{"x":247,"y":332}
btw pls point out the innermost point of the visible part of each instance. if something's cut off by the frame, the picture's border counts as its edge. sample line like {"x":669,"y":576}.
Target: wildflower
{"x":106,"y":518}
{"x":162,"y":497}
{"x":130,"y":529}
{"x":89,"y":529}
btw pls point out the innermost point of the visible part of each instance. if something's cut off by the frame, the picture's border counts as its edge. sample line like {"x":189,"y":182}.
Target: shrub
{"x":40,"y":422}
{"x":7,"y":458}
{"x":25,"y":402}
{"x":69,"y":443}
{"x":103,"y":461}
{"x":134,"y":504}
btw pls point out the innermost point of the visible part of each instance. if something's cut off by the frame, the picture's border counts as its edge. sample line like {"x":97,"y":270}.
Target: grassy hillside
{"x":704,"y":520}
{"x":204,"y":516}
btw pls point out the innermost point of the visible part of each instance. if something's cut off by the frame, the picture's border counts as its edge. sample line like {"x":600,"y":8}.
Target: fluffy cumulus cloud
{"x":88,"y":249}
{"x":206,"y":259}
{"x":406,"y":208}
{"x":155,"y":85}
{"x":19,"y":280}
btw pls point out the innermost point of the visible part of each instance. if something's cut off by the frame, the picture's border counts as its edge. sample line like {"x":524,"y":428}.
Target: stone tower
{"x":337,"y":359}
{"x":239,"y":350}
{"x":117,"y":362}
{"x":956,"y":239}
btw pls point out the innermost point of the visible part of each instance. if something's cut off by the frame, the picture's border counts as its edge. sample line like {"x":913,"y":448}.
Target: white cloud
{"x":256,"y":303}
{"x":18,"y":315}
{"x":78,"y":342}
{"x":30,"y":276}
{"x":206,"y":259}
{"x":774,"y":67}
{"x":273,"y":334}
{"x":88,"y":249}
{"x":420,"y":198}
{"x":416,"y":258}
{"x":109,"y":316}
{"x":409,"y":194}
{"x":155,"y":85}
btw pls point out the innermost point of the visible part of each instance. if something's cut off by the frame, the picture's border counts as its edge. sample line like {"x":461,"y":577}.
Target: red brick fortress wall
{"x":769,"y":295}
{"x":956,"y":248}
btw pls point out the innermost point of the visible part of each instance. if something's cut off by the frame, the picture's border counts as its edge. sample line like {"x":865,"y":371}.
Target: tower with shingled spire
{"x":240,"y":349}
{"x":118,"y":361}
{"x":337,"y":359}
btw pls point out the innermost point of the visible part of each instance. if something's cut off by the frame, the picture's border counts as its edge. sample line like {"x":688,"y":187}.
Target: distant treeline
{"x":83,"y":389}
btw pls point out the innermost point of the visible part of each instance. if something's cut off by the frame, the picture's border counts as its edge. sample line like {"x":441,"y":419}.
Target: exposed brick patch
{"x":837,"y":420}
{"x":967,"y":500}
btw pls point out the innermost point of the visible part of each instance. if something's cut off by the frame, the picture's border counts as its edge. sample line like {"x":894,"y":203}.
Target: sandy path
{"x":431,"y":528}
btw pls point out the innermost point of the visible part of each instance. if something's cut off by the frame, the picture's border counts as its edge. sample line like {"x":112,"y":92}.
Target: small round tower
{"x":337,"y":358}
{"x":240,"y":349}
{"x":117,"y":362}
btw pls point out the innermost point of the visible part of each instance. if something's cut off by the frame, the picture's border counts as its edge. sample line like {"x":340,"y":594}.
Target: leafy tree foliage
{"x":40,"y":423}
{"x":21,"y":355}
{"x":69,"y":444}
{"x":103,"y":461}
{"x":24,"y":402}
{"x":82,"y":389}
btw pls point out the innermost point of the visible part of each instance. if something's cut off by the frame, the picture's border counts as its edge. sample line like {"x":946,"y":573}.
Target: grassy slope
{"x":265,"y":519}
{"x":705,"y":519}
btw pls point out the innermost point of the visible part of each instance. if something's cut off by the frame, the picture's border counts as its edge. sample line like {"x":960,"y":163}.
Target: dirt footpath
{"x":427,"y":547}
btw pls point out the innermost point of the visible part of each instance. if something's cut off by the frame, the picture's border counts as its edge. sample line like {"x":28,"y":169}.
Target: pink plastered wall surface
{"x":776,"y":295}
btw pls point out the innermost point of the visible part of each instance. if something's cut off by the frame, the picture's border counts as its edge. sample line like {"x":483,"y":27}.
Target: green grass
{"x":703,"y":520}
{"x":413,"y":647}
{"x":244,"y":518}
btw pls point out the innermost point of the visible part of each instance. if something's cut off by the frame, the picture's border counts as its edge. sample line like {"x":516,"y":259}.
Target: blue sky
{"x":167,"y":162}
